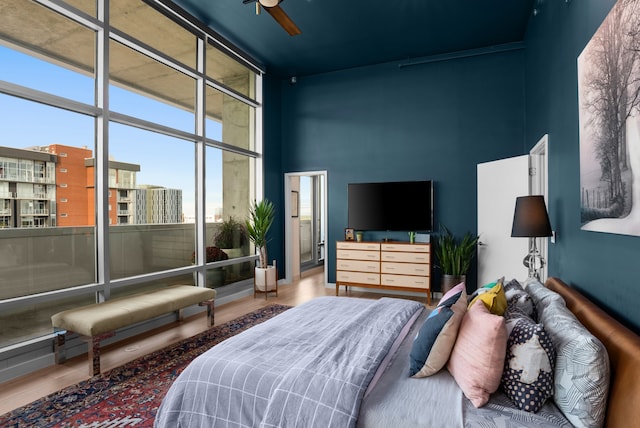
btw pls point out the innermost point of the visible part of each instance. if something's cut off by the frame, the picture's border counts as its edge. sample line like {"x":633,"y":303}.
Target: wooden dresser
{"x":391,"y":266}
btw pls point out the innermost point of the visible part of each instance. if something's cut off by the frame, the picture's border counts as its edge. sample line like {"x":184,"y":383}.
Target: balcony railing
{"x":35,"y":212}
{"x":54,"y":258}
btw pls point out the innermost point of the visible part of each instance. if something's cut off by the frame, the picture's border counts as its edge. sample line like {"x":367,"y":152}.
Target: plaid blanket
{"x":306,"y":367}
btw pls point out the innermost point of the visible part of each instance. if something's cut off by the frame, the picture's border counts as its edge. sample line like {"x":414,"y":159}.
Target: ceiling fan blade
{"x":283,"y":19}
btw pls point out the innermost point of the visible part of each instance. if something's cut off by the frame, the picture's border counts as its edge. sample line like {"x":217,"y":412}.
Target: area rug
{"x":128,"y":396}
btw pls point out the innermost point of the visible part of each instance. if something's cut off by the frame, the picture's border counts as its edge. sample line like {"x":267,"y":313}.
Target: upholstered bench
{"x":100,"y":321}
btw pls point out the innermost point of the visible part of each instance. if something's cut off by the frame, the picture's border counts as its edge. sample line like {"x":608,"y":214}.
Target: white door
{"x":499,"y":183}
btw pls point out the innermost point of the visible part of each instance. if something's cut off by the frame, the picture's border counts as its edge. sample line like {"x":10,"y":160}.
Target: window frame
{"x":102,"y":116}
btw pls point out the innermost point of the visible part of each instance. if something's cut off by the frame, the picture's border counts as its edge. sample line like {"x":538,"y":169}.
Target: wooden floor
{"x":21,"y":391}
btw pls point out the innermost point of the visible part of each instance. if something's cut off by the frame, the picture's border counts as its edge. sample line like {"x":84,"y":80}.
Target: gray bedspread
{"x":399,"y":401}
{"x":307,"y":367}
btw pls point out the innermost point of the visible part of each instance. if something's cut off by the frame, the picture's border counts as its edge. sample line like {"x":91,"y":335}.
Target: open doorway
{"x":306,"y":222}
{"x":498,"y":253}
{"x":312,"y":233}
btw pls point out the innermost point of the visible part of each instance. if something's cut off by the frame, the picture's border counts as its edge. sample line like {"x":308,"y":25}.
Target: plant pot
{"x":216,"y":277}
{"x":450,"y":281}
{"x":233,"y":253}
{"x":265,"y":279}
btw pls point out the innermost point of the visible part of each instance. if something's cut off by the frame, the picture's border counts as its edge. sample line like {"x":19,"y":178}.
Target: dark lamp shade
{"x":530,"y":218}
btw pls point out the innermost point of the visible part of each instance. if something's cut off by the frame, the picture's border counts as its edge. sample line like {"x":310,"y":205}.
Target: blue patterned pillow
{"x":433,"y":344}
{"x":528,"y":373}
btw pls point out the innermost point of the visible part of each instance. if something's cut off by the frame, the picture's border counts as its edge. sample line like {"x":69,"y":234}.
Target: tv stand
{"x":388,"y":266}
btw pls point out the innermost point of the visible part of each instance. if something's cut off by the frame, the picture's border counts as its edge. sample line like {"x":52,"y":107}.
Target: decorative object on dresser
{"x":454,"y":257}
{"x":389,"y":266}
{"x":530,"y":220}
{"x":261,"y":215}
{"x":348,"y":234}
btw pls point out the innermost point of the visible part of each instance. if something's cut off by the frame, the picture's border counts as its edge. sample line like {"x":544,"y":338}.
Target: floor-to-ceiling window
{"x":127,"y":137}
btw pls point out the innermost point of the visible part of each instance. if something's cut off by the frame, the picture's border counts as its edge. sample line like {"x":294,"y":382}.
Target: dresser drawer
{"x":358,"y":277}
{"x":358,"y":255}
{"x":408,"y":248}
{"x":358,"y":265}
{"x":390,"y":256}
{"x":405,"y":281}
{"x":406,"y":268}
{"x":366,"y":246}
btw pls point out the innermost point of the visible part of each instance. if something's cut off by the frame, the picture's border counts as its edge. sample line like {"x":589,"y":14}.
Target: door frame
{"x":288,"y":231}
{"x":539,"y":185}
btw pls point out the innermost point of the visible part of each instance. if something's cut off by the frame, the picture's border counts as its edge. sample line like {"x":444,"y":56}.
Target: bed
{"x":343,"y":362}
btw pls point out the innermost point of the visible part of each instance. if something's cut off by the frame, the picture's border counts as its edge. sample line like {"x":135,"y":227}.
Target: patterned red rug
{"x":131,"y":394}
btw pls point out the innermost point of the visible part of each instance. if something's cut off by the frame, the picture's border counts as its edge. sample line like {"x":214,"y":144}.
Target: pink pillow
{"x":455,"y":290}
{"x":477,"y":358}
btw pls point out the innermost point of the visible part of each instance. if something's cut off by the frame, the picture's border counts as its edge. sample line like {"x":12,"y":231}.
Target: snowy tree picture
{"x":609,"y":103}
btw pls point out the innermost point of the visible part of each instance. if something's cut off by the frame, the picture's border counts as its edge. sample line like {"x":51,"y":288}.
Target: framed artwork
{"x":294,"y":203}
{"x":348,"y":234}
{"x":609,"y":117}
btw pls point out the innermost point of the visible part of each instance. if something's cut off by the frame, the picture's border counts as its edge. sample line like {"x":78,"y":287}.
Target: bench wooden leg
{"x":210,"y":311}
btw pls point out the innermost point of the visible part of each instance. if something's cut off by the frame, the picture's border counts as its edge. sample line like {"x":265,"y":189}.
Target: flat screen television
{"x":392,"y":206}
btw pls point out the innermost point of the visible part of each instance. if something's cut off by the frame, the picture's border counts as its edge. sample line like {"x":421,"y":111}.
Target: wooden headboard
{"x":623,"y":346}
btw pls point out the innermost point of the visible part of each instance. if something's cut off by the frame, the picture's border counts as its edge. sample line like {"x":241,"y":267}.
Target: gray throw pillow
{"x":582,"y":364}
{"x":518,"y":299}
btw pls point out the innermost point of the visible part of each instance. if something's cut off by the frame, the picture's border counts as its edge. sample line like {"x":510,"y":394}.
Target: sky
{"x":163,"y":160}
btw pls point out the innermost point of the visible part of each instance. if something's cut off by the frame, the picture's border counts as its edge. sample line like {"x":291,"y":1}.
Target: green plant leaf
{"x":261,"y":216}
{"x":455,"y":256}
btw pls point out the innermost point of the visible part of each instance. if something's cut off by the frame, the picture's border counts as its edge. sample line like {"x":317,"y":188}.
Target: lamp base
{"x":534,"y":261}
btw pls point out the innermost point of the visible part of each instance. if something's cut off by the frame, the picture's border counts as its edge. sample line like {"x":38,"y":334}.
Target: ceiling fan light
{"x":269,"y":3}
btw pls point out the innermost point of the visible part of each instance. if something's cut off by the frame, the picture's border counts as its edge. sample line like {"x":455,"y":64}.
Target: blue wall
{"x":604,"y":266}
{"x":436,"y":121}
{"x":273,"y":175}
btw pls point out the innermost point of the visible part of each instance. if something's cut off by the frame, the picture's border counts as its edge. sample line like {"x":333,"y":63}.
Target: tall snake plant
{"x":455,"y":256}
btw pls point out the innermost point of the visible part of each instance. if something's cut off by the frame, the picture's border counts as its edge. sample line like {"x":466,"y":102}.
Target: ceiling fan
{"x":273,"y":8}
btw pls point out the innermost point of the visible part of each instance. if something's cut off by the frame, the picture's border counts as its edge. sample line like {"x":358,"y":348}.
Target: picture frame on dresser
{"x":349,"y":234}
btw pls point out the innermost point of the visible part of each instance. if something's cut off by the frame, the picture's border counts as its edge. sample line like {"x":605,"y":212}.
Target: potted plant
{"x":261,"y":215}
{"x":232,"y":234}
{"x":231,"y":238}
{"x":215,"y":276}
{"x":454,"y":257}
